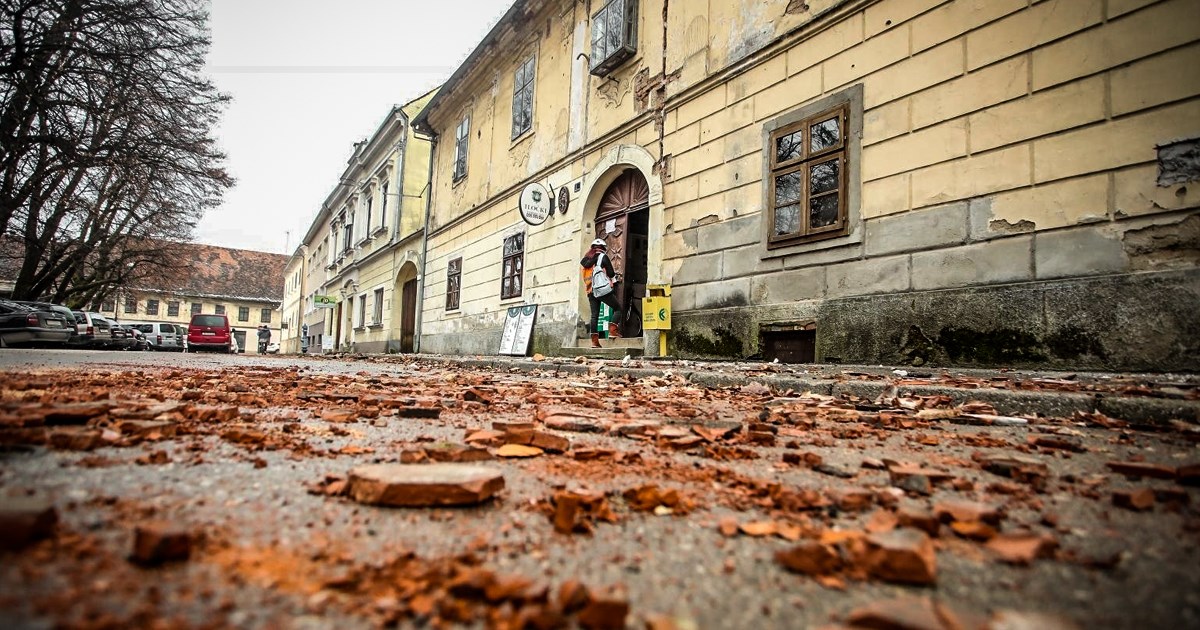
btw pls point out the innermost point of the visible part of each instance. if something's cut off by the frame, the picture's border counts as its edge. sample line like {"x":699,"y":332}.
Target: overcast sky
{"x":309,"y":78}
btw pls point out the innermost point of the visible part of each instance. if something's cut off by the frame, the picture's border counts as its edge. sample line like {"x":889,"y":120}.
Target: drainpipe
{"x":403,"y":150}
{"x":424,"y":245}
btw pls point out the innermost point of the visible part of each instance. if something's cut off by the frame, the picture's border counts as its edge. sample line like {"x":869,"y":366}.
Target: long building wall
{"x":1022,"y":181}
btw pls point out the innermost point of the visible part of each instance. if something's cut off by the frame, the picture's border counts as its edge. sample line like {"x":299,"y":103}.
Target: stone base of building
{"x":548,"y":339}
{"x":1127,"y":322}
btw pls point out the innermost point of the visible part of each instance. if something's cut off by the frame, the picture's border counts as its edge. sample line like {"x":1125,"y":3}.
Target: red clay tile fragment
{"x":1022,"y":620}
{"x":1139,"y":499}
{"x":160,"y":542}
{"x":423,"y":485}
{"x":904,"y":613}
{"x":604,"y":611}
{"x":25,"y":520}
{"x":882,"y":521}
{"x":75,"y":413}
{"x":808,"y":460}
{"x":549,"y":442}
{"x":853,"y":499}
{"x":484,"y":438}
{"x":759,"y":529}
{"x":518,"y":451}
{"x":1022,"y":468}
{"x":961,"y":510}
{"x":810,"y":558}
{"x":1142,"y":469}
{"x":902,"y":555}
{"x":1057,"y":442}
{"x":573,"y":423}
{"x":713,"y":434}
{"x":339,"y":415}
{"x":75,"y":439}
{"x":1021,"y":548}
{"x":728,"y":526}
{"x":973,"y":530}
{"x":572,"y":595}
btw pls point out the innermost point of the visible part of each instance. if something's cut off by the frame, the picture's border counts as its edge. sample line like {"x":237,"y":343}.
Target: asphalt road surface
{"x":246,"y":458}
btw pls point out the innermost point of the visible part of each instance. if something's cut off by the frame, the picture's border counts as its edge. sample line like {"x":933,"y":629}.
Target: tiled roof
{"x":213,"y":271}
{"x":197,"y":270}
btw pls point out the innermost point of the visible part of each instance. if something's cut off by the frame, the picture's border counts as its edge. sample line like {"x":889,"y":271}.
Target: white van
{"x":160,"y":336}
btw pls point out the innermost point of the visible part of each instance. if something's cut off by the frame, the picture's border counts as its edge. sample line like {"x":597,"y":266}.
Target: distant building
{"x":243,"y":284}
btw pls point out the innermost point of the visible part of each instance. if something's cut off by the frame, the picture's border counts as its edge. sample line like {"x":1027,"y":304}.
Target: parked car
{"x":211,"y":332}
{"x":66,"y":313}
{"x":139,"y":338}
{"x":21,"y":324}
{"x":273,"y":347}
{"x":93,"y":329}
{"x":161,"y":336}
{"x":121,"y":338}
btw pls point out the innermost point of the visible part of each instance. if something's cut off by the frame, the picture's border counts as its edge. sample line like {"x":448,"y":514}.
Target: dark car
{"x":122,"y":339}
{"x":66,"y":313}
{"x":210,"y":332}
{"x":21,"y":324}
{"x":142,"y":342}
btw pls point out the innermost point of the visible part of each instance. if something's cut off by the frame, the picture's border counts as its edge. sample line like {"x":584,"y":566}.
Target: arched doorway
{"x":623,"y":221}
{"x":404,"y":307}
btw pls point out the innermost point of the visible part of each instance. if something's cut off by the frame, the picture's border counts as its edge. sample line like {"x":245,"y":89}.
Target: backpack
{"x":601,"y":283}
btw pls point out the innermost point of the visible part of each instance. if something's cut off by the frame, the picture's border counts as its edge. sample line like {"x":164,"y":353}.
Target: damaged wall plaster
{"x":1179,"y":162}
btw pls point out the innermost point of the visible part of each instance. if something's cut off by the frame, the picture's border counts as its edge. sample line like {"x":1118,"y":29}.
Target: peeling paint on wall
{"x":796,"y":6}
{"x":1165,"y":246}
{"x":1010,"y":227}
{"x":1179,"y":162}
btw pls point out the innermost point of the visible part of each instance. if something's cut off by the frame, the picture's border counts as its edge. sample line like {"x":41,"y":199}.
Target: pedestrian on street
{"x":264,"y":338}
{"x":595,"y":260}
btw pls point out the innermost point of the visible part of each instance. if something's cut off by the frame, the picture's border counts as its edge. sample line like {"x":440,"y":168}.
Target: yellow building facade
{"x":359,"y":262}
{"x":293,"y":323}
{"x":902,"y":181}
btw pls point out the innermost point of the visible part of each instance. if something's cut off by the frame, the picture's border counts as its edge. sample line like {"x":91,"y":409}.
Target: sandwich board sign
{"x":518,"y":330}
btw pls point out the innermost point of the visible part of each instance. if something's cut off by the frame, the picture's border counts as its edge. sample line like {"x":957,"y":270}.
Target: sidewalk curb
{"x":1135,"y":409}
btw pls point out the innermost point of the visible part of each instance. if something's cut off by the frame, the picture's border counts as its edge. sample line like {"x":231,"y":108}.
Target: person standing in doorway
{"x":597,"y":259}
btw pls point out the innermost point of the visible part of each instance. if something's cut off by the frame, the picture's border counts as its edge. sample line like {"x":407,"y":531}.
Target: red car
{"x":210,"y":332}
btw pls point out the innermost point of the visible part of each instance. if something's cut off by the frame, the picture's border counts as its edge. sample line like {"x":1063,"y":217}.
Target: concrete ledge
{"x":1149,"y":410}
{"x":1138,"y":410}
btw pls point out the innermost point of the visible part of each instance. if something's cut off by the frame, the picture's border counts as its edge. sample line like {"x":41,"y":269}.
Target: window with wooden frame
{"x":453,"y":283}
{"x":152,"y":307}
{"x":377,"y":320}
{"x":522,"y":116}
{"x":172,"y":309}
{"x":131,"y":305}
{"x":243,"y":313}
{"x":264,"y":316}
{"x":462,"y":138}
{"x":614,"y":35}
{"x":514,"y":265}
{"x":807,"y":185}
{"x":362,"y":310}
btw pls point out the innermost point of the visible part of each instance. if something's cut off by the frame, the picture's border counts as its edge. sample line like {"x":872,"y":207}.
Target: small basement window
{"x":789,"y":343}
{"x":614,"y":35}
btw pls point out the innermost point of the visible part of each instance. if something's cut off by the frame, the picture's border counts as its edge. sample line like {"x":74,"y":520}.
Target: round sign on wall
{"x":535,"y":204}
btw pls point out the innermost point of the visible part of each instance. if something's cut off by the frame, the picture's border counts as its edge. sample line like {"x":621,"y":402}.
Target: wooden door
{"x":628,"y":193}
{"x":408,"y":315}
